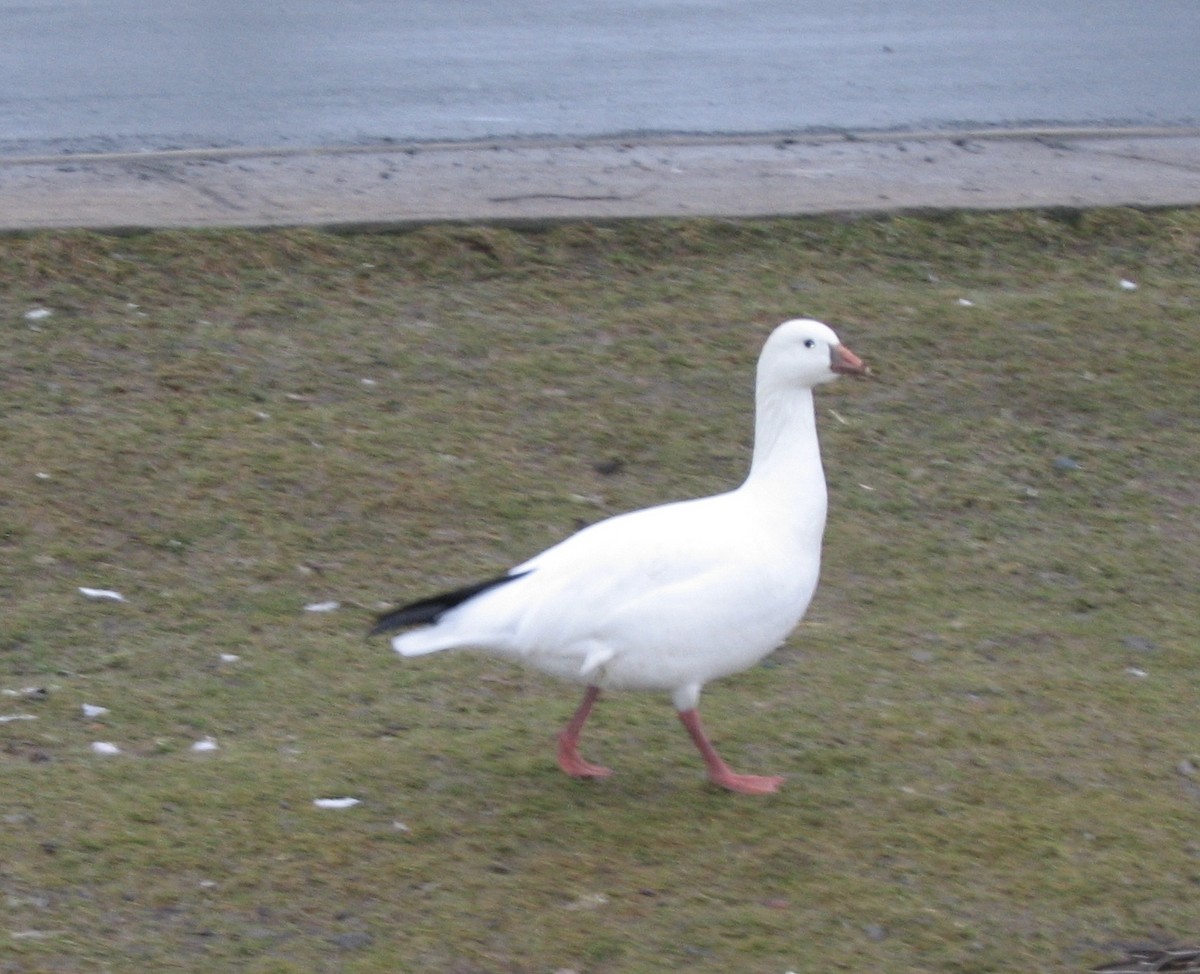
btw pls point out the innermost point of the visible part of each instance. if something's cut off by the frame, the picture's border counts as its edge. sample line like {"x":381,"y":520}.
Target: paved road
{"x":222,"y":112}
{"x":156,"y":74}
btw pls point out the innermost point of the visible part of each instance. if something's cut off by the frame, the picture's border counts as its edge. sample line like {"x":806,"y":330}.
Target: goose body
{"x":670,"y":597}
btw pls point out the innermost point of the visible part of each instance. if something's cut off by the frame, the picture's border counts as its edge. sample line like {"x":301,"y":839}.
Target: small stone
{"x":1139,"y":644}
{"x":588,"y":901}
{"x":608,"y":468}
{"x":352,"y":941}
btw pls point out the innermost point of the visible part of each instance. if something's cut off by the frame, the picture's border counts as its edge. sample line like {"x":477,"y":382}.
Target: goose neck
{"x":786,"y":448}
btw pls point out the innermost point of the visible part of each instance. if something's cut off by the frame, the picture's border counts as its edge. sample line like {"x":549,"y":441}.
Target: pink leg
{"x":719,"y":773}
{"x":569,"y":758}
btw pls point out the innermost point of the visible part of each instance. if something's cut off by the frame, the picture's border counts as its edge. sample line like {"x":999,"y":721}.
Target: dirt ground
{"x":536,"y":181}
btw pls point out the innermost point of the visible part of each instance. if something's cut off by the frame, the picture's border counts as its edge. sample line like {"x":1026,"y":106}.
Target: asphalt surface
{"x":136,"y":113}
{"x":147,"y":76}
{"x":533,"y":181}
{"x":144,"y":75}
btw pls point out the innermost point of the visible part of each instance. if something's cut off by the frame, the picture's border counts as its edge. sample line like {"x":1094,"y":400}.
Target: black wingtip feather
{"x":428,"y":611}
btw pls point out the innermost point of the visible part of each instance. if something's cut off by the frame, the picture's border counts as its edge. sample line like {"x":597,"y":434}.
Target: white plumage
{"x":670,"y":597}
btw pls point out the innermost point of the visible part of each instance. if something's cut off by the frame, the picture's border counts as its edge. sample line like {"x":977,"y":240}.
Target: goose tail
{"x":428,"y":612}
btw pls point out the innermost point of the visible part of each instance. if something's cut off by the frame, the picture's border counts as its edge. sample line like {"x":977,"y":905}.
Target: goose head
{"x":803,"y":353}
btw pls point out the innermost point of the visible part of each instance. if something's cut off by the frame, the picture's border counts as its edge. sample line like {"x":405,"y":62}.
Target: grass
{"x":988,"y":720}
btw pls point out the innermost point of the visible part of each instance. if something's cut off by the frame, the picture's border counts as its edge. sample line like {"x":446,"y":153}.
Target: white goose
{"x":669,"y":597}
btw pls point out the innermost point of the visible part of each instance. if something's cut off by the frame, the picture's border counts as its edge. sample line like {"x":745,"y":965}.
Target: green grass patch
{"x":988,"y":721}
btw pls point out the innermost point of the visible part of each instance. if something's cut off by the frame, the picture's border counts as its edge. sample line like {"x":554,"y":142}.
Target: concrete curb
{"x":603,"y":179}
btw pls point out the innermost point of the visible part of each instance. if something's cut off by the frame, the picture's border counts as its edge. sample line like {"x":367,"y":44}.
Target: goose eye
{"x":809,"y":343}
